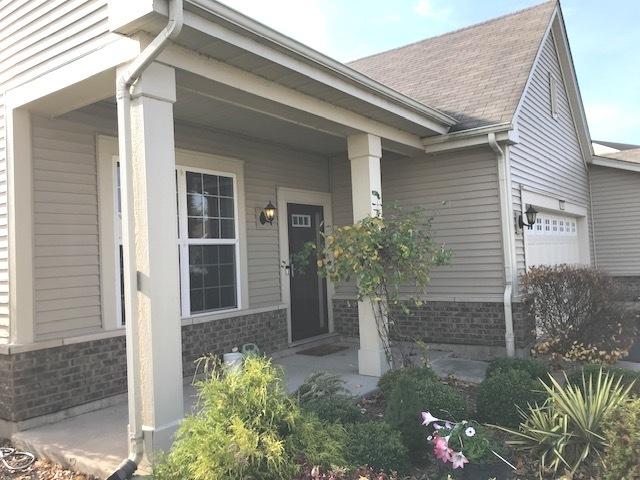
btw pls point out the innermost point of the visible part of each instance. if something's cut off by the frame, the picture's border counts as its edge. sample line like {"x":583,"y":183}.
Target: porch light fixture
{"x":268,"y":214}
{"x":531,"y":214}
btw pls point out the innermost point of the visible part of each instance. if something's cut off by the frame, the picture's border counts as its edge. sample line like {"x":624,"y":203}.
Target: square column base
{"x":160,"y":439}
{"x":372,"y":363}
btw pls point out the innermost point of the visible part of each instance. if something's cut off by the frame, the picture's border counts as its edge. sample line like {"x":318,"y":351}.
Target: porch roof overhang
{"x":272,"y":73}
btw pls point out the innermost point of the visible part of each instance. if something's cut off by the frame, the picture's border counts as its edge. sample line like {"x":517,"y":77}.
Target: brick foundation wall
{"x":45,"y":381}
{"x":464,"y":323}
{"x":268,"y":330}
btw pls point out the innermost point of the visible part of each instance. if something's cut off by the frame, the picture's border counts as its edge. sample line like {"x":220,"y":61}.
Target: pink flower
{"x":458,"y":460}
{"x":441,"y":449}
{"x":427,"y":419}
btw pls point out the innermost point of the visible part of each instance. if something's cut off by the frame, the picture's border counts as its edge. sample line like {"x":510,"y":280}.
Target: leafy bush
{"x":592,"y":370}
{"x":340,"y":409}
{"x":500,"y":395}
{"x":390,"y":378}
{"x":387,"y":257}
{"x":533,"y":367}
{"x":247,"y":427}
{"x":578,"y":315}
{"x":622,"y":437}
{"x":409,"y":399}
{"x":320,"y":385}
{"x":568,"y":429}
{"x":377,"y":445}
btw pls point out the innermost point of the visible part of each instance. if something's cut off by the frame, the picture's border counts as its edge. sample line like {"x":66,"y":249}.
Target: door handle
{"x":290,"y":269}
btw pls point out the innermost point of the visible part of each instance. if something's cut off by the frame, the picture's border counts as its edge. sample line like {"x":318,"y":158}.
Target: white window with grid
{"x":208,"y":241}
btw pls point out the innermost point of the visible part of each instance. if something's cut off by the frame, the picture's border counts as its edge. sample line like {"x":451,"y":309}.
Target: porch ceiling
{"x":216,"y":106}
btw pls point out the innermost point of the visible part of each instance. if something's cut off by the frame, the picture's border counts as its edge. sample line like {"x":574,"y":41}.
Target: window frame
{"x":184,"y":241}
{"x":117,"y":238}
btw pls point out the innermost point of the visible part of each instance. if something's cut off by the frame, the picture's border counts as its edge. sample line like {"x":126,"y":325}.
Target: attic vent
{"x":553,"y":89}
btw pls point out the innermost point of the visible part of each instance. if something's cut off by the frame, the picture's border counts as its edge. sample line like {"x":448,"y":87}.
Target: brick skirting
{"x":49,"y":380}
{"x":462,"y":323}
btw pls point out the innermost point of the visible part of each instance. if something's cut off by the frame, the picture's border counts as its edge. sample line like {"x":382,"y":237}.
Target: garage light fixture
{"x":530,"y":214}
{"x":268,"y":214}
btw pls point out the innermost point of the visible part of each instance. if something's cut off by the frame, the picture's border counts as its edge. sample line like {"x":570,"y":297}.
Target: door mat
{"x":322,"y":350}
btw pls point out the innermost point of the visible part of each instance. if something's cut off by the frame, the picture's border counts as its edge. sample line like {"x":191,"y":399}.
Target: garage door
{"x":553,"y":240}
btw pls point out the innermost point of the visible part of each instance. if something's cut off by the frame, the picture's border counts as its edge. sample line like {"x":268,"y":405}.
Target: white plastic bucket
{"x":232,"y":361}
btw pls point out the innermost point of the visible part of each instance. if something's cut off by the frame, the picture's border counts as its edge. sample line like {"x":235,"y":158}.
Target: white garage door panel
{"x":552,"y":241}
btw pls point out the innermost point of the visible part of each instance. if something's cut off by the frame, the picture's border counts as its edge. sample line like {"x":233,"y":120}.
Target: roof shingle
{"x":476,"y":74}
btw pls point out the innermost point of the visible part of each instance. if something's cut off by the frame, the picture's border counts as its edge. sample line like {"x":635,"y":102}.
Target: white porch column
{"x":20,"y":225}
{"x":149,"y":219}
{"x":365,"y":152}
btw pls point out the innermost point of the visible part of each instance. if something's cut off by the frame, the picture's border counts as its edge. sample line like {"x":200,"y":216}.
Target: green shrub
{"x":320,"y":385}
{"x":247,"y":427}
{"x":567,"y":431}
{"x":340,"y":409}
{"x":377,"y":445}
{"x":409,"y":399}
{"x":500,"y":395}
{"x":622,"y":436}
{"x":419,"y":374}
{"x":592,"y":369}
{"x":533,"y":367}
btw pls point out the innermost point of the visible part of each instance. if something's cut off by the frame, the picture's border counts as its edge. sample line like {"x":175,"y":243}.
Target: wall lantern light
{"x":268,"y":214}
{"x":531,"y":214}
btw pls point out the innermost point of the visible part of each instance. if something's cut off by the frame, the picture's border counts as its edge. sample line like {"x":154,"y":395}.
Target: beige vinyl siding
{"x":547,"y":157}
{"x":36,"y":36}
{"x":266,"y":167}
{"x":460,"y":191}
{"x":4,"y":247}
{"x":616,"y":216}
{"x":66,"y":260}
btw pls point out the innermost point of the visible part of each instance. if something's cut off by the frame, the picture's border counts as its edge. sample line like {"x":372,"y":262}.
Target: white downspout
{"x":504,"y":190}
{"x":123,"y":97}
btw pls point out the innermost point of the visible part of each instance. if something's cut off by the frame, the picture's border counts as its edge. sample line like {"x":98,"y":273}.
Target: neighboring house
{"x":476,"y":125}
{"x":615,"y":193}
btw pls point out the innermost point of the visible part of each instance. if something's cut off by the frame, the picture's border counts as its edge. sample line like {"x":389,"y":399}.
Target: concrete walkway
{"x":95,"y":443}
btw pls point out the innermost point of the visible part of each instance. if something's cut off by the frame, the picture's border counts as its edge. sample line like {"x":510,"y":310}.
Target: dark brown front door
{"x":308,"y":290}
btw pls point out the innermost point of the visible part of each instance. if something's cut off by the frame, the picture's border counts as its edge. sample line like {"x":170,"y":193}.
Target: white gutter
{"x":472,"y":137}
{"x":507,"y":240}
{"x":123,"y":97}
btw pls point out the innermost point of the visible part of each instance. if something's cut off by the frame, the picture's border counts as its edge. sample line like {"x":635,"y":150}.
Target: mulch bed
{"x":41,"y":470}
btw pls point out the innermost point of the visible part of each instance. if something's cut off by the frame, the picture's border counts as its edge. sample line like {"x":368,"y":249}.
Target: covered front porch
{"x":212,"y":132}
{"x":95,"y":442}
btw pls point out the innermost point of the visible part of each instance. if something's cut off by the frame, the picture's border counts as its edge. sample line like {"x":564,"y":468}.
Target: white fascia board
{"x":505,"y":133}
{"x":235,"y":77}
{"x":615,"y":163}
{"x":93,"y":65}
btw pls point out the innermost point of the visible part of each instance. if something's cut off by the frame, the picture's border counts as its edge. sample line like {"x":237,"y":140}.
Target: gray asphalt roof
{"x":476,"y":74}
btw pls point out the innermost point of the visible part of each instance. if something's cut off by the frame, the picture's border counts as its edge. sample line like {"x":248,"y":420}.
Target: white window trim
{"x":216,"y":165}
{"x":107,"y":149}
{"x":184,"y":241}
{"x":117,"y":241}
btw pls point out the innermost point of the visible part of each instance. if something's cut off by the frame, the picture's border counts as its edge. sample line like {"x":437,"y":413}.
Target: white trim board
{"x":309,"y":197}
